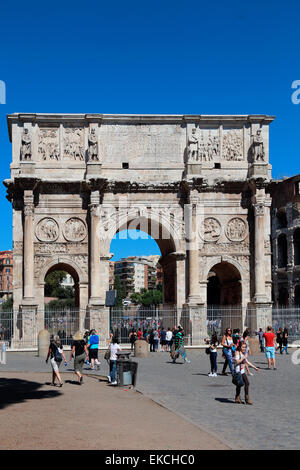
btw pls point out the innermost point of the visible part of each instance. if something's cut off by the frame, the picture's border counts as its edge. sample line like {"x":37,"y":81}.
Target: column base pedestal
{"x":28,"y":303}
{"x":194,"y":301}
{"x":261,"y":299}
{"x":96,"y":302}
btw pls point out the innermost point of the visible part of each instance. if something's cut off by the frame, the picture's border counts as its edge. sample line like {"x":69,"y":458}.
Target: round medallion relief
{"x":211,"y":229}
{"x":236,"y":229}
{"x":74,"y":230}
{"x":47,"y":230}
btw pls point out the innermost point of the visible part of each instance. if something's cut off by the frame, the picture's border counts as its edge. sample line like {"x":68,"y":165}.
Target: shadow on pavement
{"x":18,"y":391}
{"x":72,"y":382}
{"x":178,"y":363}
{"x":225,"y":400}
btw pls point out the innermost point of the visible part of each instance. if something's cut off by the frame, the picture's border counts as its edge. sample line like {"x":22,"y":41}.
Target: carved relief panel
{"x":210,"y":230}
{"x":232,"y":145}
{"x":74,"y":230}
{"x":48,"y":144}
{"x":73,"y":143}
{"x":236,"y":229}
{"x":203,"y":145}
{"x":47,"y":230}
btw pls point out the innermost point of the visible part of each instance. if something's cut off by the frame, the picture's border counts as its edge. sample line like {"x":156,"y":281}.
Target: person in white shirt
{"x":169,"y":336}
{"x":240,"y":361}
{"x":114,"y":348}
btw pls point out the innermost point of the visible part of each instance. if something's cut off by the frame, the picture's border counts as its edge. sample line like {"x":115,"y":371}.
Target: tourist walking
{"x":279,"y":340}
{"x":169,"y":336}
{"x":163,"y":341}
{"x":179,"y":347}
{"x":213,"y":355}
{"x":132,"y":338}
{"x":56,"y":354}
{"x":245,"y":339}
{"x":151,"y":341}
{"x":270,"y":345}
{"x":93,"y":346}
{"x":139,"y":334}
{"x":236,"y":336}
{"x":156,"y":339}
{"x":240,"y":378}
{"x":227,"y":344}
{"x":114,"y":348}
{"x":260,"y":335}
{"x":285,"y":341}
{"x":80,"y":353}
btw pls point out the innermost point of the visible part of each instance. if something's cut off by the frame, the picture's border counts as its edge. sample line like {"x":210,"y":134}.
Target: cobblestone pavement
{"x":271,"y":423}
{"x":91,"y":416}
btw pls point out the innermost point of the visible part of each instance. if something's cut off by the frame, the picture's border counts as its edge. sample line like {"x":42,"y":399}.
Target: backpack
{"x":94,"y":339}
{"x":57,"y":354}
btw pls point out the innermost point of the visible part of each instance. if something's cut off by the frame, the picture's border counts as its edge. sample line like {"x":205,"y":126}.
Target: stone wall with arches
{"x":197,"y":184}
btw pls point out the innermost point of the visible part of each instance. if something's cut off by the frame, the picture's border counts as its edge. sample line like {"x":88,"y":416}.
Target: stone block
{"x":141,"y":348}
{"x":254,"y":345}
{"x":43,"y":343}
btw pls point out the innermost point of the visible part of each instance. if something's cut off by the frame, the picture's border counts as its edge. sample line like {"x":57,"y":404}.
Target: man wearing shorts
{"x":270,"y":345}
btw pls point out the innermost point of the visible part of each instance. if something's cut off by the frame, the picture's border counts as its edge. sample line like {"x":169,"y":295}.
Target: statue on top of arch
{"x":93,"y":151}
{"x":257,"y":147}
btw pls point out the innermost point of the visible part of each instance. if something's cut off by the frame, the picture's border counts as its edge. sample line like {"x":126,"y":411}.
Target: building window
{"x":282,"y":251}
{"x":281,"y":219}
{"x":296,"y":241}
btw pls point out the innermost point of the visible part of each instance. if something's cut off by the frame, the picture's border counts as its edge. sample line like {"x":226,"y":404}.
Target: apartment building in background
{"x":137,"y":272}
{"x":6,"y":274}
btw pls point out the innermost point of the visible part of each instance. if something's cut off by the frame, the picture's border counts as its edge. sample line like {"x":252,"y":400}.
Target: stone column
{"x":194,"y":286}
{"x":28,"y":253}
{"x":95,"y":280}
{"x":180,"y":279}
{"x":259,"y":249}
{"x":263,"y":305}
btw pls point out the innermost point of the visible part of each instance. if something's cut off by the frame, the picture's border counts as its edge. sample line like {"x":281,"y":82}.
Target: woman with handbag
{"x":114,"y":348}
{"x":227,"y":344}
{"x":211,"y":350}
{"x":239,"y":376}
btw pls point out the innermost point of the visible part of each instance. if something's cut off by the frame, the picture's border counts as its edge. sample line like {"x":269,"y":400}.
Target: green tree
{"x":60,"y":304}
{"x":121,"y":293}
{"x":147,"y":298}
{"x":53,"y":281}
{"x":7,"y":305}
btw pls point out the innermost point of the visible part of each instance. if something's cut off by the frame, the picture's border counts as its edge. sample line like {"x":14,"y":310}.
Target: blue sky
{"x":164,"y":56}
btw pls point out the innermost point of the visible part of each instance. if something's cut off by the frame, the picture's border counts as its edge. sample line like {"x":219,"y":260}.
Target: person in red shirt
{"x":140,"y":334}
{"x":270,"y":345}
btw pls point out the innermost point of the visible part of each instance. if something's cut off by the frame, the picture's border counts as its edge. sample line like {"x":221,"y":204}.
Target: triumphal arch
{"x":197,"y":184}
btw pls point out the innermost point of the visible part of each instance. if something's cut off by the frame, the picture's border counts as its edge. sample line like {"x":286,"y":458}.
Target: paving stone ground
{"x":91,"y":416}
{"x":203,"y":402}
{"x":272,"y":422}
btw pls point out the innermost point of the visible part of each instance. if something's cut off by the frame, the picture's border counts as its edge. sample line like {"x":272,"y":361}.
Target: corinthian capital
{"x":94,"y":209}
{"x":28,"y":209}
{"x":259,"y":209}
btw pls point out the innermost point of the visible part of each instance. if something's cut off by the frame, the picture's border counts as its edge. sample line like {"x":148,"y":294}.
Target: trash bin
{"x":2,"y":352}
{"x":126,"y":369}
